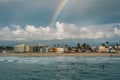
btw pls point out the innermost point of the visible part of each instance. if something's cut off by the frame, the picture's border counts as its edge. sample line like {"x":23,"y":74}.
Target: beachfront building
{"x":39,"y":48}
{"x":23,"y":48}
{"x":66,"y":49}
{"x":6,"y":49}
{"x":101,"y":49}
{"x":60,"y":50}
{"x":94,"y":49}
{"x":109,"y":49}
{"x":113,"y":50}
{"x":73,"y":50}
{"x":118,"y":51}
{"x":117,"y":47}
{"x":46,"y":49}
{"x":53,"y":50}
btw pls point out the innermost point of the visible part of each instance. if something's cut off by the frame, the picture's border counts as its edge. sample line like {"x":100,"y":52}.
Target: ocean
{"x":59,"y":68}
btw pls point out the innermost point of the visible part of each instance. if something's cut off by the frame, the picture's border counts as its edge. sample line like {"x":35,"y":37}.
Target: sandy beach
{"x":59,"y":54}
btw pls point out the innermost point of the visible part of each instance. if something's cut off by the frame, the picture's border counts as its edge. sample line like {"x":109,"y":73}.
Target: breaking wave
{"x":48,"y":60}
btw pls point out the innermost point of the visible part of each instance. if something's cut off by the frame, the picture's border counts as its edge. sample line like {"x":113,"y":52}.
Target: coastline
{"x":59,"y":54}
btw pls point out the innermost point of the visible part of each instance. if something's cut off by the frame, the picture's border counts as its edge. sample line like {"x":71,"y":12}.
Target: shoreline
{"x":59,"y":54}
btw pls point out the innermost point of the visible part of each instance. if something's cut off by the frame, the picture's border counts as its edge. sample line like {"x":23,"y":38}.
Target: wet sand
{"x":59,"y":54}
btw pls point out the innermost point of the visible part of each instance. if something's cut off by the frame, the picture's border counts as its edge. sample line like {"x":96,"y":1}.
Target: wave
{"x":49,"y":60}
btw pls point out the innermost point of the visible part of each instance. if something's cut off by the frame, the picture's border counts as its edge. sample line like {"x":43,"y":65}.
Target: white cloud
{"x":117,"y":31}
{"x":61,"y":31}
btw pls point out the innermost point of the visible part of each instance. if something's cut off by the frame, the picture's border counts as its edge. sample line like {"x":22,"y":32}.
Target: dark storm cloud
{"x":23,"y":12}
{"x":40,"y":12}
{"x":93,"y":11}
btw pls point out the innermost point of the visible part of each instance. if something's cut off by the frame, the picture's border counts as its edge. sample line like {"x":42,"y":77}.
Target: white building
{"x":23,"y":48}
{"x":60,"y":50}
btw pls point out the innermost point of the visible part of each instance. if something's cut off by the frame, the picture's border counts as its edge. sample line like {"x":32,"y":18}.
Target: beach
{"x":59,"y":54}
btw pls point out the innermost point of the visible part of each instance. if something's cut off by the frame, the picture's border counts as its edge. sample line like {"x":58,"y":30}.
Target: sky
{"x":24,"y":20}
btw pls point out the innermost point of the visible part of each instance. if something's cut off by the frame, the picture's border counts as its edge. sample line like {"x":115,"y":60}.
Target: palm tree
{"x":78,"y":45}
{"x":117,"y":45}
{"x":54,"y":45}
{"x":83,"y":47}
{"x":58,"y":45}
{"x":102,"y":44}
{"x":66,"y":45}
{"x":88,"y":47}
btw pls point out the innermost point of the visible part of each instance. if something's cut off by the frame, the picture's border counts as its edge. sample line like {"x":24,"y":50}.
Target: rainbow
{"x":58,"y":10}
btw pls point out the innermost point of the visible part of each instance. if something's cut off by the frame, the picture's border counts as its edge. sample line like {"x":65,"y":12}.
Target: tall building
{"x":23,"y":48}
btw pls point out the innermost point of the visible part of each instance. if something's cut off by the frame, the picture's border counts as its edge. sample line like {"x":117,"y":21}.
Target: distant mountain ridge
{"x":69,"y":42}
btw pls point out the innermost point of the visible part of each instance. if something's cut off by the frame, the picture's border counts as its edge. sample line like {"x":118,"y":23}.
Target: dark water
{"x":59,"y":68}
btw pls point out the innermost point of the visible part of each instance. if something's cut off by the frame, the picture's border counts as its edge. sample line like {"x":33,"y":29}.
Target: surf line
{"x":58,"y":10}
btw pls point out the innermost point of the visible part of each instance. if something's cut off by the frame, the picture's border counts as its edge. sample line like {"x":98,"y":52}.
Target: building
{"x":23,"y":48}
{"x":94,"y":48}
{"x":60,"y":50}
{"x":117,"y":47}
{"x":53,"y":50}
{"x":66,"y":49}
{"x":112,"y":50}
{"x":107,"y":49}
{"x":73,"y":50}
{"x":7,"y":49}
{"x":101,"y":49}
{"x":46,"y":49}
{"x":39,"y":48}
